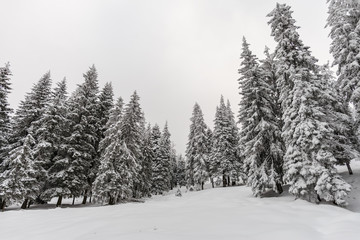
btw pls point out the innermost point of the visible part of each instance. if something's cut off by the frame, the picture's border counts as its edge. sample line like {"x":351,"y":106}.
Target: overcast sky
{"x":174,"y":53}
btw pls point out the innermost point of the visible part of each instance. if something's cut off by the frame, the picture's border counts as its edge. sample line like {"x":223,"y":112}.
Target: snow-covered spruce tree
{"x":31,"y":109}
{"x":165,"y":155}
{"x":18,"y":182}
{"x":173,"y":167}
{"x":197,"y":150}
{"x":159,"y":170}
{"x":344,"y":23}
{"x":224,"y":157}
{"x":51,"y":131}
{"x":344,"y":144}
{"x":180,"y":173}
{"x":106,"y":102}
{"x":5,"y":110}
{"x":132,"y":136}
{"x":118,"y":165}
{"x":84,"y":128}
{"x":308,"y":160}
{"x":261,"y":135}
{"x":146,"y":162}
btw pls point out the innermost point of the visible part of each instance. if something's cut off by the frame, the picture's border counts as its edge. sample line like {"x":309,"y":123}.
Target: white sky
{"x":174,"y":53}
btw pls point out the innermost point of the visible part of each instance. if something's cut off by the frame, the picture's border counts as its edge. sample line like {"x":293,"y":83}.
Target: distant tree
{"x":180,"y":173}
{"x":146,"y":163}
{"x":132,"y":136}
{"x":224,"y":157}
{"x":159,"y":167}
{"x":197,"y":152}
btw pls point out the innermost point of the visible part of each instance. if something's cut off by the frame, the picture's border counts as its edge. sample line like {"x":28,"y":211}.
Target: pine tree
{"x":344,"y":143}
{"x":118,"y":166}
{"x":146,"y":163}
{"x":31,"y":109}
{"x":224,"y":157}
{"x":106,"y":99}
{"x":18,"y":179}
{"x":197,"y":153}
{"x":84,"y":128}
{"x":344,"y":23}
{"x":159,"y":170}
{"x":5,"y":110}
{"x":261,"y":135}
{"x":165,"y":155}
{"x":28,"y":113}
{"x":132,"y":136}
{"x":180,"y":173}
{"x":51,"y":131}
{"x":308,"y":160}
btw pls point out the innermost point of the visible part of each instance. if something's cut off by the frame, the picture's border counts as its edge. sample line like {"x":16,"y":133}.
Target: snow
{"x":220,"y":213}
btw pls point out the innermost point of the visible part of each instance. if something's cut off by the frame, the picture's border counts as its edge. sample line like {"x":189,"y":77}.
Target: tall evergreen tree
{"x":344,"y":143}
{"x":166,"y":155}
{"x":159,"y":170}
{"x":51,"y":131}
{"x":224,"y":157}
{"x":132,"y":136}
{"x":18,"y":181}
{"x":118,"y":166}
{"x":84,"y":127}
{"x":146,"y":163}
{"x":344,"y":23}
{"x":261,"y":135}
{"x":308,"y":160}
{"x":180,"y":173}
{"x":29,"y":112}
{"x":197,"y":153}
{"x":5,"y":110}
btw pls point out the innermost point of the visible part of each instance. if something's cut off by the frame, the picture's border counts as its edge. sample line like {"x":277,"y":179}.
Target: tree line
{"x":81,"y":145}
{"x":297,"y":121}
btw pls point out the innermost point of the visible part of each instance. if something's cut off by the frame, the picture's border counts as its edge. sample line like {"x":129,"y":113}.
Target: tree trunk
{"x":2,"y":205}
{"x":85,"y":197}
{"x":212,"y":182}
{"x":349,"y":168}
{"x":73,"y":200}
{"x":202,"y":186}
{"x":279,"y":188}
{"x":224,"y":181}
{"x":29,"y":204}
{"x":24,"y":205}
{"x":59,"y":201}
{"x":111,"y":201}
{"x":228,"y":181}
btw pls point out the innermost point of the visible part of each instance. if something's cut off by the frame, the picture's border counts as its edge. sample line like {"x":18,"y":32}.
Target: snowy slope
{"x":221,"y":213}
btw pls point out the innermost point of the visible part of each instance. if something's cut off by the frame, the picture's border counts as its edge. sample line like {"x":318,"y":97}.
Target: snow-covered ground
{"x":221,"y":213}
